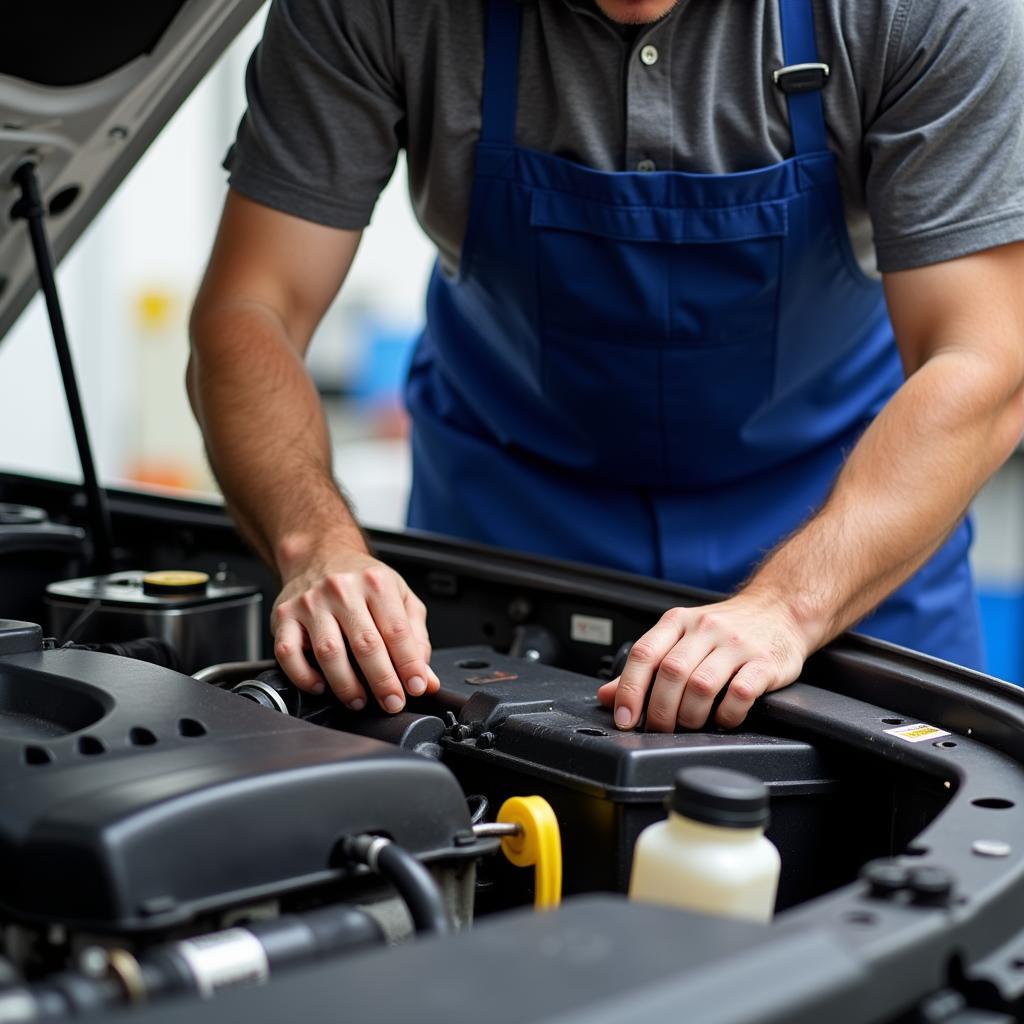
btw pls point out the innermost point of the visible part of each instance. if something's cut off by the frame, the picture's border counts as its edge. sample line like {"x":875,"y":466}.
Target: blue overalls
{"x":659,"y":372}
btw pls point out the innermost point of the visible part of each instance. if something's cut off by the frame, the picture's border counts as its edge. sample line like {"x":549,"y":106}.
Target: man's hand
{"x":352,"y":596}
{"x":270,"y":279}
{"x":903,"y":489}
{"x":750,"y":644}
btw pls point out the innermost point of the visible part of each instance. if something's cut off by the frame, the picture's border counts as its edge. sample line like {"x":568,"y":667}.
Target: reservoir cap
{"x":173,"y":583}
{"x":720,"y":796}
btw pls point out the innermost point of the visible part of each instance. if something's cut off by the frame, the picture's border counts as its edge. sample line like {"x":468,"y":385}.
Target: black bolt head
{"x":885,"y":877}
{"x":931,"y":884}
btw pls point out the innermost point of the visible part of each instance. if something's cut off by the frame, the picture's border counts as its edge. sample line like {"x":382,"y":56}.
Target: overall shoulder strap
{"x":501,"y":72}
{"x":806,"y":77}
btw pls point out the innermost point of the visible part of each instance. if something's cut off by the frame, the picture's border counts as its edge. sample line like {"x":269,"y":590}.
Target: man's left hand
{"x":750,"y":643}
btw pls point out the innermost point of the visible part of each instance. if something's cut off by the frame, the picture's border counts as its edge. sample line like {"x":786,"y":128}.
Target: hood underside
{"x":84,"y":90}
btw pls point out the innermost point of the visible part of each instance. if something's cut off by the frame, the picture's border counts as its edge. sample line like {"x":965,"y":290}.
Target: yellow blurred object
{"x":539,"y":843}
{"x":156,"y":309}
{"x":175,"y":581}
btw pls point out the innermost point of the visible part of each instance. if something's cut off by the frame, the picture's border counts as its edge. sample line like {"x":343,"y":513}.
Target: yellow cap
{"x":175,"y":581}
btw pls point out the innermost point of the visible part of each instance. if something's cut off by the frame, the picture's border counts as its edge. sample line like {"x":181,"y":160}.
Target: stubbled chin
{"x":636,"y":12}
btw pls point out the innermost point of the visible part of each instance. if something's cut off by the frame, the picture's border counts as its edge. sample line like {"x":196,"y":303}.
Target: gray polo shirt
{"x":925,"y":108}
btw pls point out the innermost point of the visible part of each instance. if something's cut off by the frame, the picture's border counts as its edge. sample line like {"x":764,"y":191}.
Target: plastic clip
{"x":802,"y":78}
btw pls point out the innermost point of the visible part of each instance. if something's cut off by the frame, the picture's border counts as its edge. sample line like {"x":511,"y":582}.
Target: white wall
{"x":127,"y":288}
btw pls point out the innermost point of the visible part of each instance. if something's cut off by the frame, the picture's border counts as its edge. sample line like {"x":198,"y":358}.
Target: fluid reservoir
{"x":205,"y":620}
{"x":711,"y":854}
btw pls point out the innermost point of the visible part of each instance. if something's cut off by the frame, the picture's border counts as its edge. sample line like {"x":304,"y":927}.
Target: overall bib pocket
{"x":649,"y":316}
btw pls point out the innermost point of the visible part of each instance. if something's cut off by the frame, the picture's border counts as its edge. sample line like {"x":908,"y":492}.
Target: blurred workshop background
{"x":128,"y":287}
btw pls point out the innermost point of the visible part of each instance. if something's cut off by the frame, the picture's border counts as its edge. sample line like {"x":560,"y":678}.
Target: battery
{"x":518,"y":727}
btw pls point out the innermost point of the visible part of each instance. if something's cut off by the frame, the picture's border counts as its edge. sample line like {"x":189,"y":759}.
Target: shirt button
{"x":649,"y":55}
{"x":647,"y":166}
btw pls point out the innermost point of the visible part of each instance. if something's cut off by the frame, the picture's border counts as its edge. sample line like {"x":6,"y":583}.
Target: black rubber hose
{"x":410,"y":878}
{"x":417,"y":887}
{"x":286,"y":941}
{"x":316,"y":934}
{"x":149,"y":649}
{"x":165,"y":971}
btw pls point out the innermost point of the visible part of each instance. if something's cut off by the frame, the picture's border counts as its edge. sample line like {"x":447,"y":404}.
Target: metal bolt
{"x":118,"y":133}
{"x":493,"y":829}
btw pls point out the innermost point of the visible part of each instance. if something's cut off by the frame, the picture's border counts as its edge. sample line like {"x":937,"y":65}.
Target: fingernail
{"x":318,"y":688}
{"x":623,"y":717}
{"x":393,"y":703}
{"x":416,"y":686}
{"x":356,"y":705}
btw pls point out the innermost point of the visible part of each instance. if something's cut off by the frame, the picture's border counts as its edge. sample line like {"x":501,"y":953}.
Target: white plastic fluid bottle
{"x":711,"y":854}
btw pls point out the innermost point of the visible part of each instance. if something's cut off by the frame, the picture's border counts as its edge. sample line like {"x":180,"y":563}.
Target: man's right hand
{"x":271,"y":278}
{"x":351,"y":596}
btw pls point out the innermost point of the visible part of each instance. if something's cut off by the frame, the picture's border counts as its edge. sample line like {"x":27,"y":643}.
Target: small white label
{"x":233,"y":957}
{"x":587,"y":629}
{"x":916,"y":733}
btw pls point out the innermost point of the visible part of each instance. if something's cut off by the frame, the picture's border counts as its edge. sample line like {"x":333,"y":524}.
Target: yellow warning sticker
{"x":917,"y":733}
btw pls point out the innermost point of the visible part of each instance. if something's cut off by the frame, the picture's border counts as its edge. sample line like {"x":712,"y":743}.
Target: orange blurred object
{"x":161,"y":474}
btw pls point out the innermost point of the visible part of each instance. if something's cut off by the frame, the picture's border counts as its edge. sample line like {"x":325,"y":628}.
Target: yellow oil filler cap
{"x":172,"y":583}
{"x":538,"y":844}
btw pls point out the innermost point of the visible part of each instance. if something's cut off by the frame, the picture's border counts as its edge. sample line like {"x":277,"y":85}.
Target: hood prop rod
{"x":30,"y":208}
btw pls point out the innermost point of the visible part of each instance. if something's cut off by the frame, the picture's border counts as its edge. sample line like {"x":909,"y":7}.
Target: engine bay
{"x":186,"y":837}
{"x":177,"y":821}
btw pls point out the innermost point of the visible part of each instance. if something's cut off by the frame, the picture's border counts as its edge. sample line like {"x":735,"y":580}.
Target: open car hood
{"x":84,"y":90}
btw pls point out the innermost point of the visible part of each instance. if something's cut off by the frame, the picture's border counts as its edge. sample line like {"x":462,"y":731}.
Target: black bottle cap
{"x":720,"y":796}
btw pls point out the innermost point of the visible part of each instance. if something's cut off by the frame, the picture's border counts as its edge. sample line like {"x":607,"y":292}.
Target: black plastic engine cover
{"x":133,"y":797}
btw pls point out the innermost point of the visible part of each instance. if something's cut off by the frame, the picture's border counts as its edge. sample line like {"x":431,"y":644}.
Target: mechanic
{"x":729,"y":293}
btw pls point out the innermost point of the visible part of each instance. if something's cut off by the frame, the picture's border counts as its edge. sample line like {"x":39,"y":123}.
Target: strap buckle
{"x":802,"y":78}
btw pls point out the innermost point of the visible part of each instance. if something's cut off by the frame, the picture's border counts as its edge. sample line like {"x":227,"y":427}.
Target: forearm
{"x":265,"y":434}
{"x":959,"y":326}
{"x":903,"y":489}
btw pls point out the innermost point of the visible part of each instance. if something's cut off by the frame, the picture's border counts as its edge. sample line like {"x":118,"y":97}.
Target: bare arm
{"x":960,"y":328}
{"x":270,"y":279}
